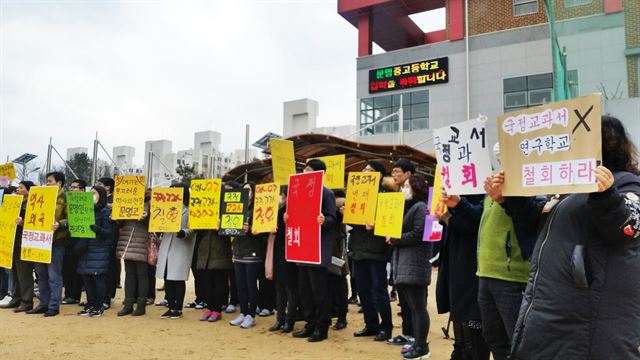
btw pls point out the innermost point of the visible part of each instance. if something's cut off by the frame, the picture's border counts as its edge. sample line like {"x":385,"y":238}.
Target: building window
{"x":525,"y":7}
{"x":533,"y":90}
{"x":415,"y":107}
{"x":569,"y":3}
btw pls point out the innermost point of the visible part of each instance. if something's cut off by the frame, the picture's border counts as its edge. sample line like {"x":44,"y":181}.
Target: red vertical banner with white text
{"x":304,"y":205}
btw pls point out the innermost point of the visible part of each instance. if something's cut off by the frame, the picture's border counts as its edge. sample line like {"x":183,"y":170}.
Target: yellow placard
{"x":552,"y":148}
{"x":437,"y":193}
{"x":232,"y":221}
{"x":265,"y":207}
{"x":204,"y":203}
{"x":8,"y":170}
{"x":283,"y":161}
{"x":9,"y":212}
{"x":128,"y":198}
{"x":166,"y":209}
{"x":334,"y":176}
{"x":389,"y":214}
{"x":37,"y":233}
{"x":362,"y":193}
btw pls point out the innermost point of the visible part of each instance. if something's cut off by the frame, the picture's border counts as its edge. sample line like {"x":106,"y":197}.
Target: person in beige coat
{"x":174,"y":260}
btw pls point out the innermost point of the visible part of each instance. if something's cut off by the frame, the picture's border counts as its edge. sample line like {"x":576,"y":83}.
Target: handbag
{"x":153,"y":245}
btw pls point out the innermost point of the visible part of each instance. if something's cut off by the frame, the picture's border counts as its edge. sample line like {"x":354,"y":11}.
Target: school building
{"x":500,"y":60}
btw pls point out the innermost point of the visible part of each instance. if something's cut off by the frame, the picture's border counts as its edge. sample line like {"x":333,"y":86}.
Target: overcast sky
{"x":147,"y":70}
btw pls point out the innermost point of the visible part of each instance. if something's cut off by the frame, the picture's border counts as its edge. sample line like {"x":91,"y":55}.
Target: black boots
{"x":128,"y":307}
{"x":318,"y":335}
{"x":140,"y":307}
{"x":287,"y":327}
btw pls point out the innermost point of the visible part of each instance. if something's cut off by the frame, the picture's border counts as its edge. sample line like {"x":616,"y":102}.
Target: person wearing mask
{"x":22,"y":271}
{"x":457,"y":286}
{"x":400,"y":173}
{"x":248,"y":258}
{"x":115,"y":266}
{"x":133,"y":249}
{"x":174,"y":260}
{"x":71,"y":279}
{"x":50,"y":275}
{"x":582,"y":297}
{"x":93,"y":261}
{"x":370,"y":255}
{"x":503,"y":252}
{"x":313,"y":280}
{"x":285,"y":275}
{"x":214,"y":262}
{"x":411,"y":266}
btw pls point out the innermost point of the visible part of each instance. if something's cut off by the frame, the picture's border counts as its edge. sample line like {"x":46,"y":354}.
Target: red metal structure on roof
{"x":387,"y":22}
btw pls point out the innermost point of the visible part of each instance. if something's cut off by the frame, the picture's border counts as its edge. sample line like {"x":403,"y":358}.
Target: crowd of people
{"x":521,"y":277}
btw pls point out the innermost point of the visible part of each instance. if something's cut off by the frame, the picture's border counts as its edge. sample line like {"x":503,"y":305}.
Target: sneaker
{"x":398,"y":340}
{"x":69,"y":301}
{"x":237,"y":321}
{"x":150,"y":301}
{"x":205,"y":315}
{"x":85,"y":312}
{"x":230,"y":309}
{"x":6,"y":300}
{"x":200,"y":305}
{"x":406,"y":347}
{"x":166,"y":315}
{"x":191,"y":305}
{"x":215,"y":316}
{"x":248,"y":322}
{"x":265,"y":312}
{"x":106,"y":306}
{"x":417,"y":353}
{"x":162,"y":302}
{"x":175,"y":314}
{"x":353,"y":300}
{"x":97,"y":312}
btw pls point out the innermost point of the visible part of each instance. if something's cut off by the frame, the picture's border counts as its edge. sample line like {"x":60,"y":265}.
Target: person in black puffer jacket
{"x":410,"y":264}
{"x":581,"y":301}
{"x":93,"y":264}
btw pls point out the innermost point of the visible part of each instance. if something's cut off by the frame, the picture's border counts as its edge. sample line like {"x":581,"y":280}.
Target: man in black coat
{"x":314,"y":279}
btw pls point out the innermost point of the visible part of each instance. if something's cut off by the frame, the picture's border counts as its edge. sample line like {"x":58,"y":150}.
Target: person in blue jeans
{"x":50,"y":275}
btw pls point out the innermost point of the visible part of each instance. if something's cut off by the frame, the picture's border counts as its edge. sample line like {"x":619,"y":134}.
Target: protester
{"x":93,"y":261}
{"x":370,"y":255}
{"x":411,"y":266}
{"x":504,"y":249}
{"x":248,"y":257}
{"x":174,"y":260}
{"x":50,"y":275}
{"x":457,"y":286}
{"x":132,"y":247}
{"x":285,"y":275}
{"x":213,"y":261}
{"x":582,"y":297}
{"x":400,"y":173}
{"x":22,"y":271}
{"x":6,"y":278}
{"x":115,"y":266}
{"x":338,"y":273}
{"x":314,"y":279}
{"x":71,"y":279}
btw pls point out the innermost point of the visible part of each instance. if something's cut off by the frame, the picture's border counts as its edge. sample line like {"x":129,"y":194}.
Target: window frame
{"x":391,"y":126}
{"x":517,"y":3}
{"x":586,"y":2}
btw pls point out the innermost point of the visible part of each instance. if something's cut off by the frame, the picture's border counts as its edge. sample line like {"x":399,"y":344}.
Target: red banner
{"x":304,"y":204}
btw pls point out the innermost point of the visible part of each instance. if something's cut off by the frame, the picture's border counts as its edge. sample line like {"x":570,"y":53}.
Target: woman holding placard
{"x":582,"y":298}
{"x":174,"y":260}
{"x":93,"y":264}
{"x":410,"y":264}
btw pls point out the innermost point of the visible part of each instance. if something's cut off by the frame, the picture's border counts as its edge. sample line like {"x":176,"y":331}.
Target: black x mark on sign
{"x":582,"y":119}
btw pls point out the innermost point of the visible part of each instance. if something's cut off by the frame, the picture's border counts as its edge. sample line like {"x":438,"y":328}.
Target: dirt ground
{"x":149,"y":337}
